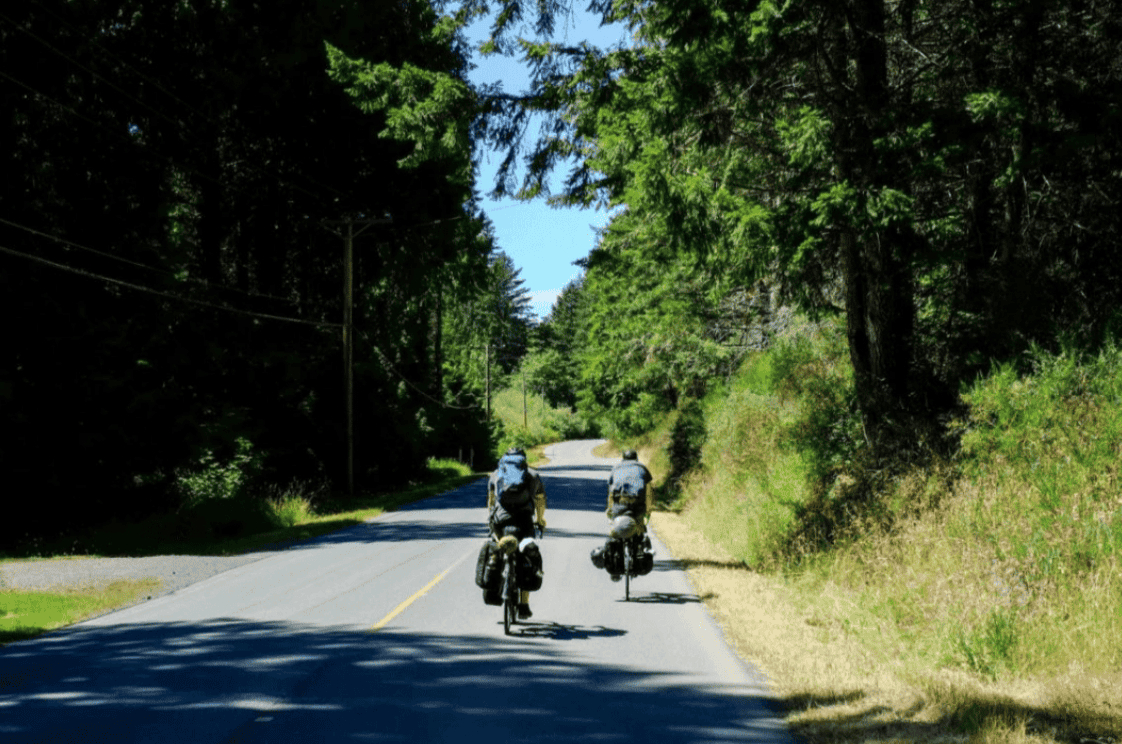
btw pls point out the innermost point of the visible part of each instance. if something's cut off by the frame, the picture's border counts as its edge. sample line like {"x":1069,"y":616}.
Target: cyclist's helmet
{"x":516,"y":451}
{"x":630,"y":455}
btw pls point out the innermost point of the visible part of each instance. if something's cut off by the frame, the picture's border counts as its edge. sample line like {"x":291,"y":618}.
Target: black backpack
{"x":514,"y":484}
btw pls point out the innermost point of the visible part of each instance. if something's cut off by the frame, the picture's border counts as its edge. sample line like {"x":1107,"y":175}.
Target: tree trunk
{"x":880,"y":314}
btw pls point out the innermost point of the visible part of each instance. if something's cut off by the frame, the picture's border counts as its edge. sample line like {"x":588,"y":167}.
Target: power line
{"x":140,"y":265}
{"x":74,"y":62}
{"x":48,"y":98}
{"x":119,"y":59}
{"x":168,"y":295}
{"x":115,"y":133}
{"x":403,"y":378}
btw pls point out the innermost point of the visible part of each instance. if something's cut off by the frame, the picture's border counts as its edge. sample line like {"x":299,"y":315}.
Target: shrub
{"x":212,"y":479}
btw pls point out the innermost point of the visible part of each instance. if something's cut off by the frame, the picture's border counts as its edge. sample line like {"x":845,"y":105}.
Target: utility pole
{"x":348,"y":334}
{"x":524,"y":424}
{"x":488,"y":365}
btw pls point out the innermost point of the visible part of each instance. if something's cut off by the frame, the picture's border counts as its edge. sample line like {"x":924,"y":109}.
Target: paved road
{"x":378,"y":633}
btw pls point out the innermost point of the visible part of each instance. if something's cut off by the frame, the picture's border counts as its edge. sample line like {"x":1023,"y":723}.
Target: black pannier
{"x":613,"y":557}
{"x":481,"y":565}
{"x":529,"y":567}
{"x":489,"y":574}
{"x":644,"y":558}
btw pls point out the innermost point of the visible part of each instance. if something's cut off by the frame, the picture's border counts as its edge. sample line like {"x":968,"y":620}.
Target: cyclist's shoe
{"x":616,"y":577}
{"x":524,"y":612}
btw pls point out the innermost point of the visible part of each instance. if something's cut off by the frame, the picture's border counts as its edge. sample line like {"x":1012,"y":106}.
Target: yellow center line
{"x":420,"y":593}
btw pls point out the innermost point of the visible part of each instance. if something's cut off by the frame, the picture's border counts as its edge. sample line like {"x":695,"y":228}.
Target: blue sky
{"x":543,"y":242}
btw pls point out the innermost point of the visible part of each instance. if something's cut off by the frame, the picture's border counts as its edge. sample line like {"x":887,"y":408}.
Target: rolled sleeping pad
{"x":624,"y":527}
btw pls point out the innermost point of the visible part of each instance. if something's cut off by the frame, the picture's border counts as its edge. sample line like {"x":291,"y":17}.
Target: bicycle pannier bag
{"x":644,"y":558}
{"x":492,"y":576}
{"x":529,"y":565}
{"x":481,"y":564}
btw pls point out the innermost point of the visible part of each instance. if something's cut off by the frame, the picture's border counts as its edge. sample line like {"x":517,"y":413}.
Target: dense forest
{"x":182,"y":181}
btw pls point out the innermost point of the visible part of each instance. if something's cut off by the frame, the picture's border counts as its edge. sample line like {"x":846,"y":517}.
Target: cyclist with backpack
{"x":515,"y":504}
{"x":629,"y":489}
{"x":629,"y":498}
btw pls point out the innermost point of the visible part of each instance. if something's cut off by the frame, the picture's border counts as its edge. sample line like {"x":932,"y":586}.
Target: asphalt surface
{"x":378,"y":633}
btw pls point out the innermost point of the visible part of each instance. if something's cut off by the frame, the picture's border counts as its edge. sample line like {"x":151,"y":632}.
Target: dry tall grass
{"x":846,"y":675}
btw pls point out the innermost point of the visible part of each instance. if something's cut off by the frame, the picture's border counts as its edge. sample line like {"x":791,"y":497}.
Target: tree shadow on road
{"x":267,"y":681}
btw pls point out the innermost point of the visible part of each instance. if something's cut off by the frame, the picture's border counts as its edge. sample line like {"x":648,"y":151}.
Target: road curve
{"x":378,"y":633}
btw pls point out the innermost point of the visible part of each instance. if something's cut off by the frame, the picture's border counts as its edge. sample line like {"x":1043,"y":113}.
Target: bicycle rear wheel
{"x":510,"y":594}
{"x":627,"y":568}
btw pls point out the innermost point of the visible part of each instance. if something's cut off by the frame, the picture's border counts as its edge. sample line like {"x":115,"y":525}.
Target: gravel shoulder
{"x":174,"y":572}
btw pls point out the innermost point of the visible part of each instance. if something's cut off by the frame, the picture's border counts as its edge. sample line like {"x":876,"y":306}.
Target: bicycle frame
{"x":628,"y":569}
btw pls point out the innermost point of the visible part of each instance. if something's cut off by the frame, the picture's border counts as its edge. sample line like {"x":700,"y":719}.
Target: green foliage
{"x":814,"y":372}
{"x":647,"y":337}
{"x":1027,"y":420}
{"x":1055,"y":433}
{"x":684,"y":448}
{"x":293,"y":504}
{"x":547,"y":374}
{"x":487,"y":331}
{"x":430,"y":109}
{"x":211,"y":479}
{"x":527,"y":421}
{"x":444,"y":468}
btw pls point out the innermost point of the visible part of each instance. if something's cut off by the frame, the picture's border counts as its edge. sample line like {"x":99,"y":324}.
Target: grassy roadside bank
{"x":973,"y":595}
{"x":26,"y":614}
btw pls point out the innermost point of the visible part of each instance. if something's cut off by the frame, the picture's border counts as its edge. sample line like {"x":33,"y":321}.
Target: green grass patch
{"x":26,"y":614}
